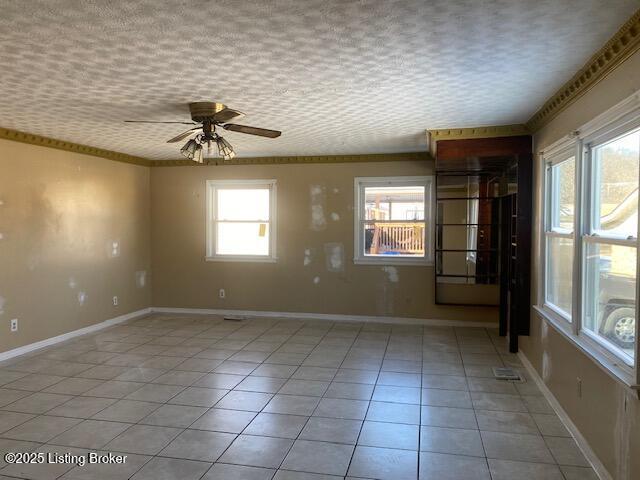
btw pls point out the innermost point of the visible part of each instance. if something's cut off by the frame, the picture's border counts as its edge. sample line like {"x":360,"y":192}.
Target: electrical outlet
{"x":222,"y":293}
{"x":115,"y":301}
{"x":14,"y":325}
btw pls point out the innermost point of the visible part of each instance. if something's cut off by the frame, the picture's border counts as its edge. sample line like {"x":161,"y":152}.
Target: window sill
{"x":613,"y":366}
{"x":241,"y":258}
{"x":380,"y":261}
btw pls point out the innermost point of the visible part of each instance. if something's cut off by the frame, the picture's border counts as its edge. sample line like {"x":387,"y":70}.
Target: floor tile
{"x":342,"y":408}
{"x":82,"y":407}
{"x":73,"y":386}
{"x":155,"y":393}
{"x":41,"y":429}
{"x":437,"y":397}
{"x":389,"y":435}
{"x":220,"y":420}
{"x":311,"y":388}
{"x":352,"y":391}
{"x":128,"y":411}
{"x":383,"y":463}
{"x":394,"y":412}
{"x":292,"y":404}
{"x":260,"y":384}
{"x":139,"y":374}
{"x":114,"y":389}
{"x":440,"y":466}
{"x":219,"y":380}
{"x":265,"y":452}
{"x":516,"y":446}
{"x":332,"y":430}
{"x":179,"y":416}
{"x":550,"y":425}
{"x":276,"y":425}
{"x":143,"y":439}
{"x":448,"y":417}
{"x":498,"y":401}
{"x":386,"y":393}
{"x":356,"y":376}
{"x":249,"y":401}
{"x":199,"y":397}
{"x":566,"y":452}
{"x":446,"y":382}
{"x":510,"y":470}
{"x":222,"y":471}
{"x":90,"y":434}
{"x":509,"y":422}
{"x":399,"y":379}
{"x":8,"y":420}
{"x":37,"y":403}
{"x":456,"y":441}
{"x":318,"y":457}
{"x":198,"y":445}
{"x":171,"y":469}
{"x":578,"y":473}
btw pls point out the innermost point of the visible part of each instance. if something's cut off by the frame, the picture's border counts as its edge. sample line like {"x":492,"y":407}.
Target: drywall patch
{"x":335,"y":217}
{"x":318,"y":199}
{"x":308,"y":257}
{"x":82,"y":298}
{"x":334,"y":256}
{"x":141,"y":278}
{"x":72,"y":283}
{"x":392,"y":274}
{"x":1,"y":236}
{"x":113,"y":249}
{"x":2,"y":304}
{"x":316,"y":280}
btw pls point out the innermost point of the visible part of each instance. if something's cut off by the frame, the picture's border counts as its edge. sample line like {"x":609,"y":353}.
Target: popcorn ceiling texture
{"x":337,"y":77}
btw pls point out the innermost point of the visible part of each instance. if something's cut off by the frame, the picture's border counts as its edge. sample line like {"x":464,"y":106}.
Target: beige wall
{"x":607,"y":414}
{"x":182,"y":278}
{"x":60,"y":213}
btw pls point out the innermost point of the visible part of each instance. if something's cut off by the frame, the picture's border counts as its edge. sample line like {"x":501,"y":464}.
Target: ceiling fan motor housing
{"x":201,"y":111}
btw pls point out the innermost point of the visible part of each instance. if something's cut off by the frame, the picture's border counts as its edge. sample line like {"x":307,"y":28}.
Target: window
{"x":241,"y":219}
{"x":609,"y":242}
{"x":559,"y":226}
{"x":393,"y":220}
{"x":590,"y":244}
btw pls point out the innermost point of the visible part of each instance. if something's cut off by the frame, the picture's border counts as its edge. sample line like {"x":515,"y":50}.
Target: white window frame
{"x":559,"y":155}
{"x":212,"y":187}
{"x":621,"y":119}
{"x":360,"y":183}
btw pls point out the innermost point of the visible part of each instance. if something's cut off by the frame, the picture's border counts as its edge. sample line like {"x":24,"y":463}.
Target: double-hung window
{"x":609,"y":241}
{"x":590,"y":238}
{"x":393,"y":220}
{"x":240,"y":220}
{"x":558,"y":232}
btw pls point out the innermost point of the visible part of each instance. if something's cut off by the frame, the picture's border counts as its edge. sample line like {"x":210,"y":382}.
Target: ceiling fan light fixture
{"x":225,"y":150}
{"x":193,"y":151}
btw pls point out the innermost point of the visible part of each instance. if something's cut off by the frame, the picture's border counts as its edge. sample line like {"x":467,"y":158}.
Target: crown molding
{"x":621,"y":46}
{"x":378,"y":157}
{"x":492,"y":131}
{"x":41,"y":141}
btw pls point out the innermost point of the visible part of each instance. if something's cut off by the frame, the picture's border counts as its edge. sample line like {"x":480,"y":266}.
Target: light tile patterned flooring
{"x":190,"y":397}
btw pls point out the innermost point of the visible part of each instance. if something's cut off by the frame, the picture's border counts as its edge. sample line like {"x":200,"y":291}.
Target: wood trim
{"x":41,"y":141}
{"x":621,"y":46}
{"x":493,"y":131}
{"x":383,"y":157}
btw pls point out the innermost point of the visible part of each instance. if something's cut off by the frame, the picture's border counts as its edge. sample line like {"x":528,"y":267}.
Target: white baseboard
{"x":328,"y":316}
{"x":589,"y":454}
{"x":75,"y":333}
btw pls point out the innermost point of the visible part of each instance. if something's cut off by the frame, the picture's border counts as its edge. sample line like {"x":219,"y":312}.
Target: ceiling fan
{"x":207,"y":116}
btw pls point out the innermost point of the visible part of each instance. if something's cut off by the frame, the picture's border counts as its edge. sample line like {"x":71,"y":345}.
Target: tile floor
{"x":194,"y":397}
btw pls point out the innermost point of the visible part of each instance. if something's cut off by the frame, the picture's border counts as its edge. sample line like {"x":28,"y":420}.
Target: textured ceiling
{"x":336,"y":76}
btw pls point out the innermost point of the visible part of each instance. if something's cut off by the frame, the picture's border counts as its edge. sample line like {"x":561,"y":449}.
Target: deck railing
{"x":402,"y":238}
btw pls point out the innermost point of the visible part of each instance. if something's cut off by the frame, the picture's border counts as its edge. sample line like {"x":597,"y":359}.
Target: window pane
{"x":610,"y":280}
{"x":243,"y":204}
{"x":400,"y":239}
{"x":563,"y":194}
{"x":616,"y":186}
{"x":559,"y":275}
{"x":250,"y":238}
{"x":394,"y":203}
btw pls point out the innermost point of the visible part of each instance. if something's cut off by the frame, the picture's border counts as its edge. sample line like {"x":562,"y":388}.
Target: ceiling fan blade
{"x":262,"y":132}
{"x":184,"y":135}
{"x":147,"y":121}
{"x":227,"y":114}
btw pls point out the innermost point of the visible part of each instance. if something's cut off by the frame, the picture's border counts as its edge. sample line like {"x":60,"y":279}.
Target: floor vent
{"x":505,"y":373}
